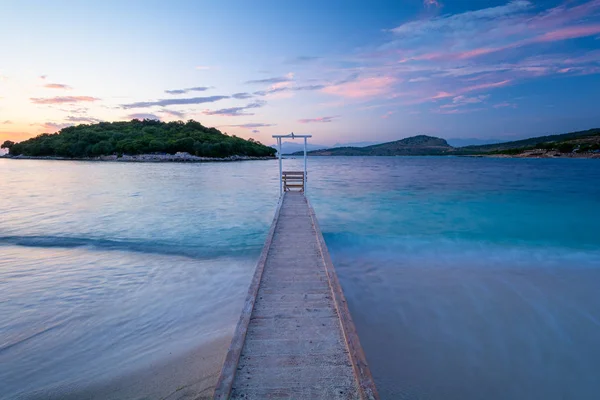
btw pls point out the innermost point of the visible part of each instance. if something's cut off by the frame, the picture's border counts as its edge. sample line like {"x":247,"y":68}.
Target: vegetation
{"x":527,"y":144}
{"x":412,"y":146}
{"x":138,"y":137}
{"x":578,"y":142}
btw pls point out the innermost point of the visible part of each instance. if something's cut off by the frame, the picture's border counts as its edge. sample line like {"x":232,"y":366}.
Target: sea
{"x":467,"y":278}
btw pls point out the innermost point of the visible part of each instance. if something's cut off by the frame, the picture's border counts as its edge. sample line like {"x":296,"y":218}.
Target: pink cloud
{"x":485,"y":86}
{"x":424,"y":57}
{"x":52,"y":127}
{"x":569,"y":33}
{"x":480,"y":52}
{"x":387,"y":114}
{"x":63,"y":99}
{"x":419,"y":79}
{"x":362,"y":88}
{"x":441,"y":95}
{"x":318,"y":119}
{"x":57,"y":86}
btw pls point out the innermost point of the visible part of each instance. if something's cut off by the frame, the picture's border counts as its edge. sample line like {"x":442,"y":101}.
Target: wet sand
{"x":189,"y":376}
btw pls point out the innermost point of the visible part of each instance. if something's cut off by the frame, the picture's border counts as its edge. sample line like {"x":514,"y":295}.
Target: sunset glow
{"x":343,"y":71}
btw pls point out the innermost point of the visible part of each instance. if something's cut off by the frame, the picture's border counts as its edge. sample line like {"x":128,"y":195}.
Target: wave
{"x":189,"y":250}
{"x":438,"y":250}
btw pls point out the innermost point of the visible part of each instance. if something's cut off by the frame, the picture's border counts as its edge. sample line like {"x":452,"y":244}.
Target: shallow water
{"x":466,"y":278}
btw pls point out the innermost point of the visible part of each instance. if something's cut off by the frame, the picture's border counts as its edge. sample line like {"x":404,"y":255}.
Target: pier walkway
{"x":295,"y":338}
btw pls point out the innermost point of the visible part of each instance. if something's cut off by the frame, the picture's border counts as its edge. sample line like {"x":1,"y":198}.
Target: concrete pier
{"x":295,"y":338}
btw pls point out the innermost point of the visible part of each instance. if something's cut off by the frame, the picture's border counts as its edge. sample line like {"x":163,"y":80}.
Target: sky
{"x":341,"y":70}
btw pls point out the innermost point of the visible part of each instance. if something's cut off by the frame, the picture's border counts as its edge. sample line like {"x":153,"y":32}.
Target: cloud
{"x":318,"y":119}
{"x":280,"y":89}
{"x":458,"y":111}
{"x":470,"y":100}
{"x":255,"y":131}
{"x":485,"y":86}
{"x":241,"y":96}
{"x":301,"y":59}
{"x":431,"y":3}
{"x":143,"y":116}
{"x":460,"y":101}
{"x":43,"y":77}
{"x":363,"y":87}
{"x":173,"y":113}
{"x":57,"y":86}
{"x":184,"y":91}
{"x":463,"y":21}
{"x":88,"y":120}
{"x":252,"y":125}
{"x":7,"y":122}
{"x":505,"y":105}
{"x":277,"y":79}
{"x":171,"y":102}
{"x":235,"y":111}
{"x":387,"y":114}
{"x":307,"y":87}
{"x":486,"y":31}
{"x":52,"y":127}
{"x":441,"y":95}
{"x":63,"y":99}
{"x":203,"y":67}
{"x":569,"y":33}
{"x":419,"y":79}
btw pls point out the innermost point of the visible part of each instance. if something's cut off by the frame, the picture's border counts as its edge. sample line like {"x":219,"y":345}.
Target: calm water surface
{"x":466,"y":278}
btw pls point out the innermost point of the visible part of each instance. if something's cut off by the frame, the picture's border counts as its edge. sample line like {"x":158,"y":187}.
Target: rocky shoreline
{"x":156,"y":158}
{"x":540,"y":153}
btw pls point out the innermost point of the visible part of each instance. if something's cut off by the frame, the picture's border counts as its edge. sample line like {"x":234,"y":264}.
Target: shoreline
{"x":192,"y":374}
{"x":144,"y":158}
{"x":540,"y":154}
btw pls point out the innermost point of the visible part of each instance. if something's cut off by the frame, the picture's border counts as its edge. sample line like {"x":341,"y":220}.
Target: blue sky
{"x":343,"y":70}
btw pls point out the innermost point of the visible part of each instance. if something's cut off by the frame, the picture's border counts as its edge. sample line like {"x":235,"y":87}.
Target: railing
{"x":293,"y":180}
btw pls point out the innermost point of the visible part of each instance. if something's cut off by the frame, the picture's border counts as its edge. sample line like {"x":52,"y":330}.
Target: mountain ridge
{"x":431,"y":145}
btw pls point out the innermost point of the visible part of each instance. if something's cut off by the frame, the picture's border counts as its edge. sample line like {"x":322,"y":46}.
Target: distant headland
{"x":582,"y":144}
{"x":140,"y":140}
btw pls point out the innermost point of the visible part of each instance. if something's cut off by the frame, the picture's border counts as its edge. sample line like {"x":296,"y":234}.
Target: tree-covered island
{"x":137,"y":137}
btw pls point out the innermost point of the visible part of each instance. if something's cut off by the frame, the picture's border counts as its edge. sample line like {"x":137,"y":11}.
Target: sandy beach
{"x":189,"y":376}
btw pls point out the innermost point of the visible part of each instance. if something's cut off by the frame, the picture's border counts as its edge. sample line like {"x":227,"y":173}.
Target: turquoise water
{"x":466,"y":278}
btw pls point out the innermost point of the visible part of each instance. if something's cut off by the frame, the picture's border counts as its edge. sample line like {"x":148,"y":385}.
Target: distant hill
{"x":292,"y":147}
{"x":138,"y":137}
{"x":297,"y":147}
{"x":529,"y":142}
{"x":355,"y":144}
{"x":429,"y":145}
{"x":412,"y":146}
{"x":462,"y":142}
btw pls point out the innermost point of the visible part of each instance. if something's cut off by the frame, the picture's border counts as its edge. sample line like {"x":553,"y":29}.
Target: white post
{"x":280,"y":170}
{"x":305,"y":166}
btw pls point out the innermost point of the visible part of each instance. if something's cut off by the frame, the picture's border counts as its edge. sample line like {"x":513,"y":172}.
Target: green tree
{"x":7,"y":145}
{"x":565,"y":147}
{"x":138,"y":137}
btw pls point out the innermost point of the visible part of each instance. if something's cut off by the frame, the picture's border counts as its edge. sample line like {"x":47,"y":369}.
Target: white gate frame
{"x":290,"y":136}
